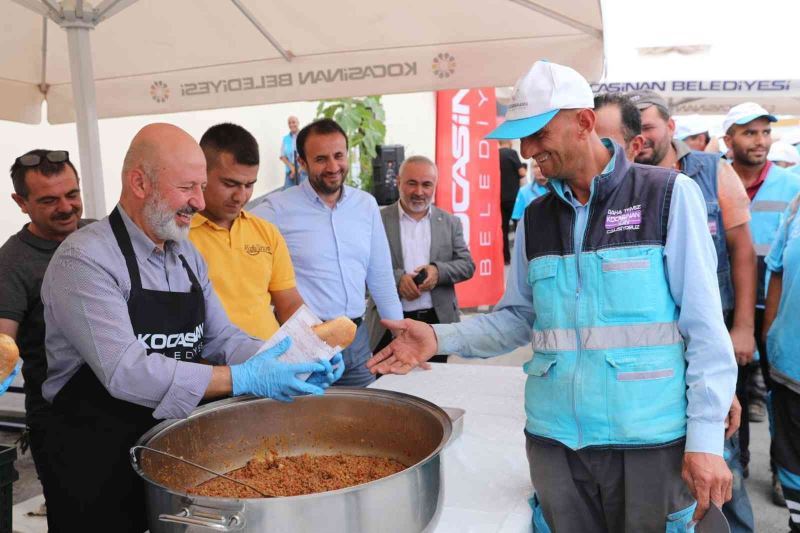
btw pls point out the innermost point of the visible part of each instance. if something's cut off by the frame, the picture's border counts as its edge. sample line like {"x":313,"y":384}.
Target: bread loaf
{"x":9,"y":355}
{"x":337,"y":332}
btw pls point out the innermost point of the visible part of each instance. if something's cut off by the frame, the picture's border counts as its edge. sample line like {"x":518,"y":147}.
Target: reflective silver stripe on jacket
{"x":606,"y":338}
{"x":768,"y":205}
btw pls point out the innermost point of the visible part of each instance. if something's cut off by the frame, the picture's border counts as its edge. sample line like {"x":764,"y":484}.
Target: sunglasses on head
{"x":34,"y":160}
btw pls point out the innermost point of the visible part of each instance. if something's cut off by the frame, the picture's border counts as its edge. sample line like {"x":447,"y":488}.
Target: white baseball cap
{"x":744,"y":113}
{"x":783,"y":151}
{"x":688,"y":125}
{"x":539,"y":95}
{"x":792,"y":136}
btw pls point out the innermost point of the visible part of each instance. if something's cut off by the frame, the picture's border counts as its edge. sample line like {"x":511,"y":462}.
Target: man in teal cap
{"x":613,"y":280}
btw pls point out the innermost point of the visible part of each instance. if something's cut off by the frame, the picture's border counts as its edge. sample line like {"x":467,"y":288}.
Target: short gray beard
{"x":161,"y":218}
{"x":411,"y":207}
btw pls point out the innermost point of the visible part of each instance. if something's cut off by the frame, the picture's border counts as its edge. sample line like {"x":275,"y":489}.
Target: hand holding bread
{"x":9,"y":356}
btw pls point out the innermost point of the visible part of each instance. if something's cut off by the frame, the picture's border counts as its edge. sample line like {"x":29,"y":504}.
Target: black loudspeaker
{"x":385,"y":169}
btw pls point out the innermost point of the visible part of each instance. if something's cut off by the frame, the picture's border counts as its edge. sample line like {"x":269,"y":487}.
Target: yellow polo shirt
{"x":244,"y":265}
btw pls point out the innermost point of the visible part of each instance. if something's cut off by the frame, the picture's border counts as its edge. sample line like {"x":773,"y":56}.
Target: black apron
{"x":97,"y":489}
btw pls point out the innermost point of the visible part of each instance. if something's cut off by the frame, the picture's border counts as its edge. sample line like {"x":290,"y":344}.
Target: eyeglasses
{"x":34,"y":160}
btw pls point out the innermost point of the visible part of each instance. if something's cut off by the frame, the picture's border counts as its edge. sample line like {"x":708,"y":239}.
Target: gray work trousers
{"x":610,"y":490}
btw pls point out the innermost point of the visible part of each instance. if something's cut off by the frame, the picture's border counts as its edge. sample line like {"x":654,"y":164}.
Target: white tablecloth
{"x":486,"y":480}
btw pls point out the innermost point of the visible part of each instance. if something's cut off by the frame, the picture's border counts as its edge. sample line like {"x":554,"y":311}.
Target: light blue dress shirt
{"x":336,"y":252}
{"x":690,"y":261}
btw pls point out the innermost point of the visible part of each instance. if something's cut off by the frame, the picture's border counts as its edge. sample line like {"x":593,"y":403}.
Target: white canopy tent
{"x":705,"y":57}
{"x":129,"y":57}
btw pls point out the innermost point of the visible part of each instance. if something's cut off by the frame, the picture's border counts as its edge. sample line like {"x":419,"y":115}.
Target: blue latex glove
{"x":263,"y":375}
{"x":7,"y":382}
{"x":333,"y":371}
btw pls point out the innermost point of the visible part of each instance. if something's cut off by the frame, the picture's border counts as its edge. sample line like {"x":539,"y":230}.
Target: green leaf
{"x":369,"y":146}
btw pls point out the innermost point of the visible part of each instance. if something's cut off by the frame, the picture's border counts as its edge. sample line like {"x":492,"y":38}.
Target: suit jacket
{"x":449,"y":253}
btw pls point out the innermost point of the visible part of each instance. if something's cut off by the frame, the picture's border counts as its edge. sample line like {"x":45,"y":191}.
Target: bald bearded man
{"x":130,"y":312}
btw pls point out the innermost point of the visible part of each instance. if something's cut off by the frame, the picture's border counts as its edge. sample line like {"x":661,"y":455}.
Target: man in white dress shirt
{"x":422,"y":238}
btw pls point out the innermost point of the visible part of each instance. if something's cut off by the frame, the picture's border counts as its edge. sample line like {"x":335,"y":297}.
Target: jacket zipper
{"x":579,"y":348}
{"x":577,"y":310}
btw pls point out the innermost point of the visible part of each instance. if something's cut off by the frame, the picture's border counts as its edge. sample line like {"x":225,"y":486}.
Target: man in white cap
{"x":728,"y":210}
{"x":792,"y":138}
{"x":784,"y":155}
{"x":693,"y":130}
{"x":748,"y":133}
{"x":613,"y":278}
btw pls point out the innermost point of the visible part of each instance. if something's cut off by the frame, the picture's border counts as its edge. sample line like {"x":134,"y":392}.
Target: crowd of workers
{"x":644,"y":270}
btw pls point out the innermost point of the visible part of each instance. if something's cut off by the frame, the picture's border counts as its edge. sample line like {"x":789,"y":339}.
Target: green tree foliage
{"x":363,"y":121}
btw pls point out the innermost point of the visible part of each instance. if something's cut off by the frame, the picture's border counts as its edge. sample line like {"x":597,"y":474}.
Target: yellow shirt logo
{"x":255,"y":249}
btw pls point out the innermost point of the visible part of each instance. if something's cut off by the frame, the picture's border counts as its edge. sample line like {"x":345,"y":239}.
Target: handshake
{"x":266,"y":375}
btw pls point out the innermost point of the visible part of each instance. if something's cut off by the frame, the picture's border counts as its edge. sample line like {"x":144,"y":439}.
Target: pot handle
{"x":211,"y":521}
{"x":457,"y":419}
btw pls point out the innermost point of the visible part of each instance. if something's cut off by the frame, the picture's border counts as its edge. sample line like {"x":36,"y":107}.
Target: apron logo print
{"x":160,"y":341}
{"x":626,"y":219}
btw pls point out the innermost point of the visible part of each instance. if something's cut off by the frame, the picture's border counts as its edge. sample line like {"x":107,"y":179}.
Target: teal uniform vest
{"x":608,"y":366}
{"x":766,"y":208}
{"x":702,"y":168}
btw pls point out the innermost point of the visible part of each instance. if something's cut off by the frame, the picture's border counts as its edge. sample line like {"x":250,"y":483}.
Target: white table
{"x":486,"y":479}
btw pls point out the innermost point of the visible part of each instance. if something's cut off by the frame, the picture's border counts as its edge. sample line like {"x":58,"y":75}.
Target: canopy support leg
{"x":80,"y":60}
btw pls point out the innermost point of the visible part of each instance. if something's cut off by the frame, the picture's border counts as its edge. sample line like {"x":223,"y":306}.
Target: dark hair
{"x":45,"y":168}
{"x":323,"y":126}
{"x":631,"y":119}
{"x":705,"y":134}
{"x":233,"y":139}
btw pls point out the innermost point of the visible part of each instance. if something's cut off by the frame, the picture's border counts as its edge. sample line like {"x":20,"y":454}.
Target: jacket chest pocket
{"x":714,"y":219}
{"x":542,"y":279}
{"x":626,"y":286}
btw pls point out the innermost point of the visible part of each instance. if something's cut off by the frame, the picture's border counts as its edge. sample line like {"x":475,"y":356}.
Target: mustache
{"x":65,"y":216}
{"x":187,"y":210}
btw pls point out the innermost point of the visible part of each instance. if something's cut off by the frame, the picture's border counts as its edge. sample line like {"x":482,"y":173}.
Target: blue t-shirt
{"x":783,"y":336}
{"x":289,"y":151}
{"x":525,"y":196}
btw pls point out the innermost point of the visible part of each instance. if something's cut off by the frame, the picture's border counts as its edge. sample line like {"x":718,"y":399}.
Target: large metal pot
{"x":226,"y":434}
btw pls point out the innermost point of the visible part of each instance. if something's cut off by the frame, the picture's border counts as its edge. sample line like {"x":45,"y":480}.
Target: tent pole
{"x":80,"y":60}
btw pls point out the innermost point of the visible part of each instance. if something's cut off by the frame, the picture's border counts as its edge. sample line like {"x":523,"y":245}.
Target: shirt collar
{"x":403,"y":212}
{"x":571,"y":197}
{"x":753,"y":188}
{"x":143,"y":246}
{"x":199,"y":219}
{"x":612,"y":149}
{"x":312,"y":195}
{"x":35,"y":241}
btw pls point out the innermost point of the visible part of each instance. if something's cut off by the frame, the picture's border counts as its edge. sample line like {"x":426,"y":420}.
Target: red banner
{"x":469,"y":186}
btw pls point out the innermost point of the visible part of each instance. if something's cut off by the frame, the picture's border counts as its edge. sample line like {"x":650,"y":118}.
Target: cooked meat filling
{"x":298,"y":474}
